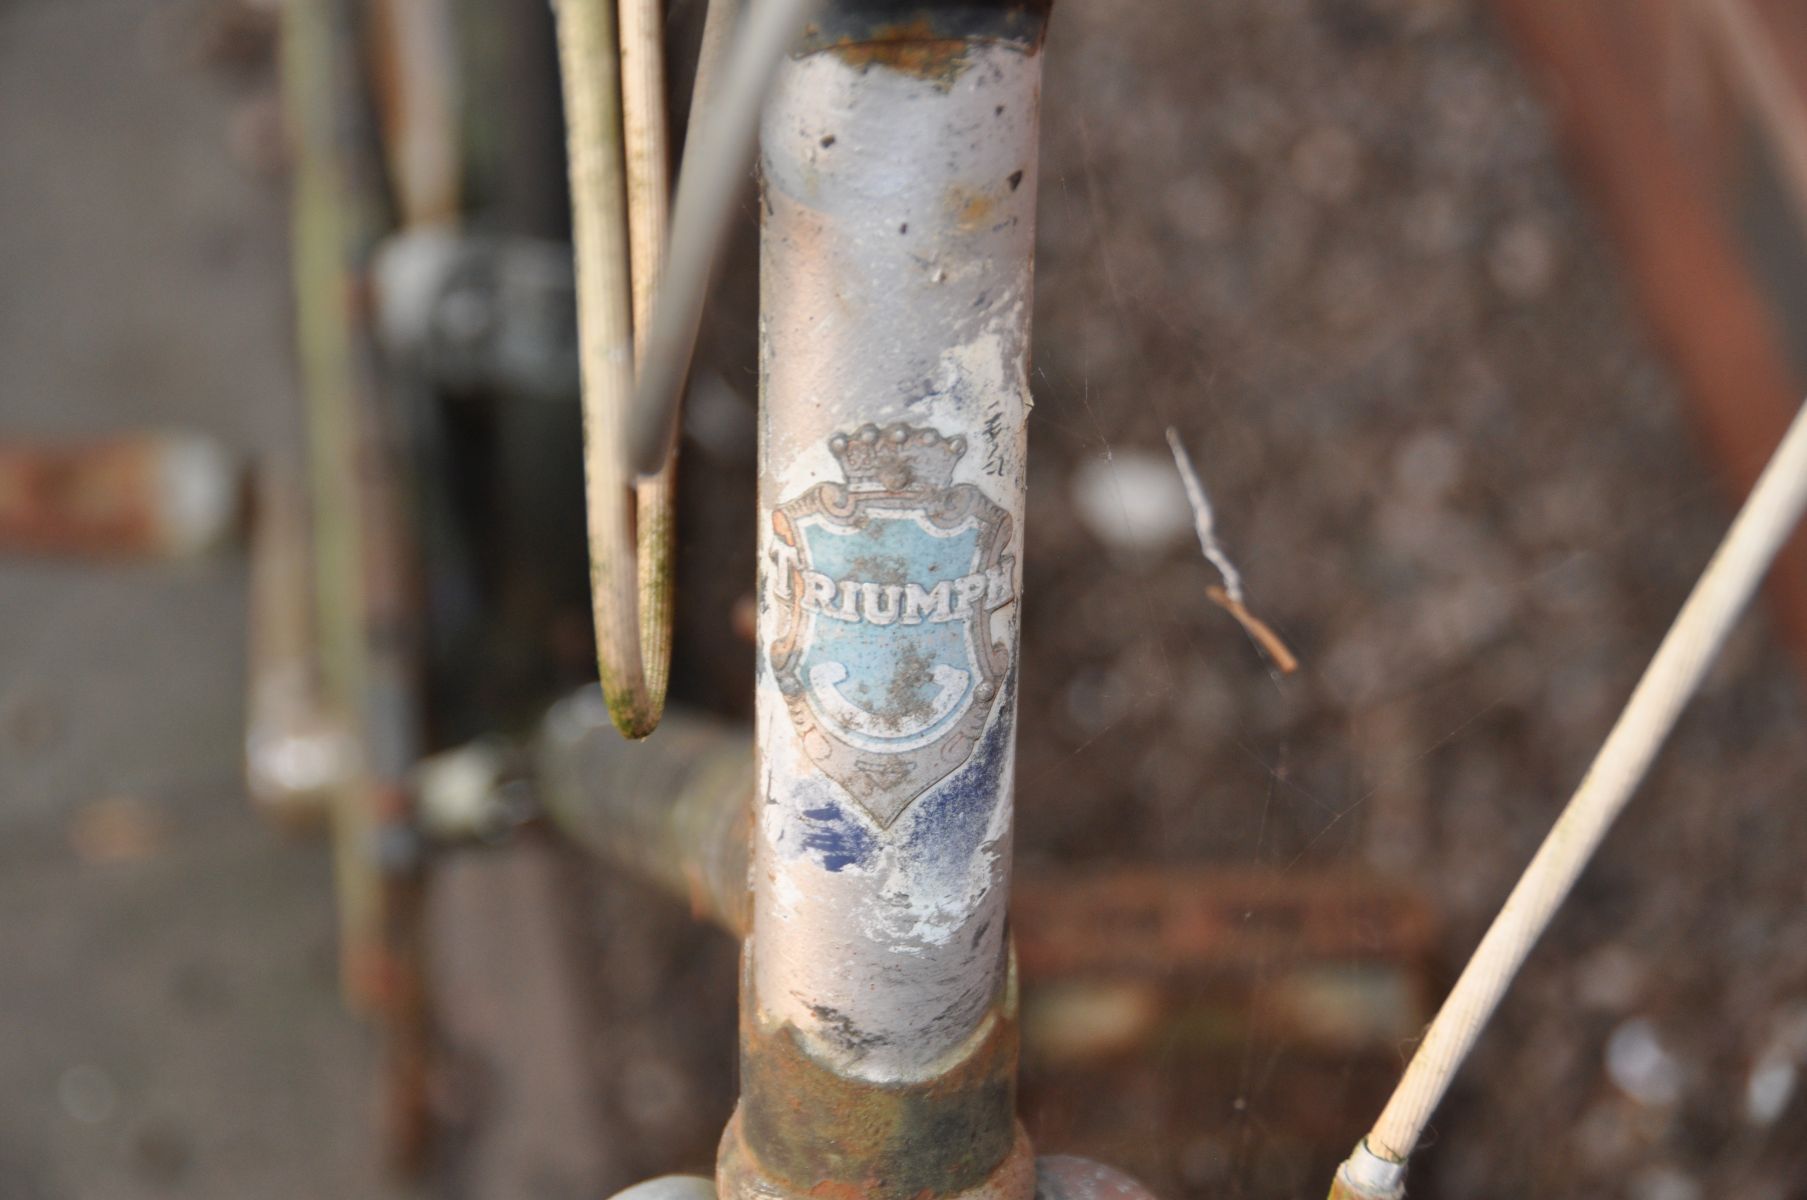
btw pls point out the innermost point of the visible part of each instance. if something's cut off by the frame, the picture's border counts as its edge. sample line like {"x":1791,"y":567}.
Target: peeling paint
{"x":894,"y":330}
{"x":953,"y":855}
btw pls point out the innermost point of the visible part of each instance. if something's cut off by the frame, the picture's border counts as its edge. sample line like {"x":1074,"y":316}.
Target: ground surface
{"x":1338,"y":252}
{"x":1332,"y":244}
{"x":167,"y":1021}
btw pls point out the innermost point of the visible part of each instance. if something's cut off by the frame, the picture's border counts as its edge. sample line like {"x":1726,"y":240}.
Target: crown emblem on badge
{"x":897,"y":458}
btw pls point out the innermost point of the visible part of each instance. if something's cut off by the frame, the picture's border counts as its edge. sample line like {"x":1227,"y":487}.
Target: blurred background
{"x":1477,"y":317}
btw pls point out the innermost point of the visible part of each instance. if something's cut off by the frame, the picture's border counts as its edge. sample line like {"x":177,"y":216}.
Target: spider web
{"x":1333,"y":247}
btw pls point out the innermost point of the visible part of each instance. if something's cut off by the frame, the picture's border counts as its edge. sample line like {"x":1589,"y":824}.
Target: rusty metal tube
{"x":159,"y":495}
{"x":672,"y":809}
{"x":878,"y":1026}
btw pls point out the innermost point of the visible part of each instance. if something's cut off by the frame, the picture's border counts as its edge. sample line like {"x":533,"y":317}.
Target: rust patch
{"x":823,"y":1134}
{"x":970,"y":208}
{"x":88,"y":500}
{"x":914,"y":48}
{"x":1141,"y":922}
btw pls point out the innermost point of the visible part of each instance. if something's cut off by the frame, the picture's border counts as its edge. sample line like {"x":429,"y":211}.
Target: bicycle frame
{"x":878,"y":993}
{"x":878,"y":1000}
{"x":878,"y":1014}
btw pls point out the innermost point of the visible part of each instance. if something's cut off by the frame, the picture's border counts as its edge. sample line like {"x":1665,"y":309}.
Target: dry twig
{"x":1229,"y":597}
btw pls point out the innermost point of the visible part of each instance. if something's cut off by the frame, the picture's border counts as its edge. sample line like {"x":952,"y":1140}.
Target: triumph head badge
{"x":888,"y":583}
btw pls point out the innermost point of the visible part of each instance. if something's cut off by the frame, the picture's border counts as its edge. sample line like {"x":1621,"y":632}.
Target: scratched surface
{"x":899,"y":223}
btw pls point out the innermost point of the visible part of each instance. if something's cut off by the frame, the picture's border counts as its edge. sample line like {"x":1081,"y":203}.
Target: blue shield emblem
{"x":888,"y":584}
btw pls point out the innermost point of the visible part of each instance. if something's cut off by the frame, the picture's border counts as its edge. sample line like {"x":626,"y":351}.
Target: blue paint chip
{"x":837,"y":838}
{"x":953,"y":817}
{"x":950,"y":821}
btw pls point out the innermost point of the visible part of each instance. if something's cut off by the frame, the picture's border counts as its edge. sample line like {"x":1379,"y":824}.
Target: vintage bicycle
{"x":861,"y":844}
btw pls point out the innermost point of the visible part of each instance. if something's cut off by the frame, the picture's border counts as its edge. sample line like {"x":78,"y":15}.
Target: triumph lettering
{"x":857,"y":600}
